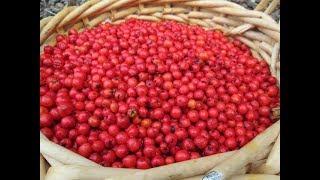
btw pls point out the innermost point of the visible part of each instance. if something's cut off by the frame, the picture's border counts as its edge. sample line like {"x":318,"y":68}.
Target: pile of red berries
{"x":144,"y":94}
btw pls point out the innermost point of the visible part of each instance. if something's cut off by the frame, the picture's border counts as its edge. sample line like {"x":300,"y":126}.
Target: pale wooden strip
{"x":183,"y":16}
{"x":173,"y":17}
{"x":85,"y":21}
{"x":243,"y":13}
{"x":161,"y":2}
{"x":265,"y":56}
{"x":209,"y":22}
{"x":96,"y":8}
{"x":255,"y":54}
{"x":256,"y":164}
{"x":132,"y":16}
{"x":262,"y":5}
{"x":210,"y":4}
{"x":261,"y":23}
{"x":77,"y":172}
{"x":53,"y":162}
{"x":267,"y":17}
{"x":144,"y":17}
{"x":247,"y":42}
{"x":273,"y":34}
{"x":157,"y":14}
{"x":255,"y":35}
{"x":119,"y":21}
{"x":137,"y":3}
{"x":274,"y":58}
{"x":42,"y":168}
{"x":49,"y":28}
{"x":60,"y":30}
{"x":266,"y":47}
{"x":272,"y":6}
{"x":226,"y":21}
{"x":272,"y":165}
{"x":240,"y":29}
{"x":150,"y":10}
{"x":236,"y":12}
{"x":77,"y":12}
{"x":116,"y":5}
{"x":199,"y":14}
{"x":78,"y":26}
{"x":45,"y":21}
{"x":174,"y":10}
{"x":124,"y":13}
{"x":198,"y":22}
{"x":216,"y":26}
{"x":278,"y":77}
{"x":255,"y":177}
{"x":99,"y":19}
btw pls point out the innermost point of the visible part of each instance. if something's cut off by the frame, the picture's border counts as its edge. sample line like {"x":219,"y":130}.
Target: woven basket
{"x":254,"y":28}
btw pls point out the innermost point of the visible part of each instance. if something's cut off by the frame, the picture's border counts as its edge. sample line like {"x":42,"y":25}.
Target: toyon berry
{"x":143,"y":94}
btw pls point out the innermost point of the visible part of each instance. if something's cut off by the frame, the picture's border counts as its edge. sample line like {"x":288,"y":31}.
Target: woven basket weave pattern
{"x":254,"y":28}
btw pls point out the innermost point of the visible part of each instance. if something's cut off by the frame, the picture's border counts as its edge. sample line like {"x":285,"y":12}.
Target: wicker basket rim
{"x":252,"y":27}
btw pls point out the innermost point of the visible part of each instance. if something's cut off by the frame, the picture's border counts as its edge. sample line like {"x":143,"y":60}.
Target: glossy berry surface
{"x":144,"y":94}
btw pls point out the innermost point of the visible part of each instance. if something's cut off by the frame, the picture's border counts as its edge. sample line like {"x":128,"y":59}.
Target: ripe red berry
{"x":200,"y":142}
{"x":143,"y":94}
{"x":129,"y":161}
{"x":175,"y":112}
{"x":143,"y":163}
{"x":85,"y":150}
{"x":193,"y":116}
{"x":231,"y":143}
{"x":46,"y":120}
{"x":97,"y":146}
{"x":121,"y":151}
{"x":133,"y":145}
{"x":157,"y":161}
{"x":182,"y":155}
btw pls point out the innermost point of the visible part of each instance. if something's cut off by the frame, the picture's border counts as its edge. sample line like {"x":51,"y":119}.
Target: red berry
{"x":109,"y":157}
{"x":121,"y":138}
{"x":149,"y":151}
{"x":231,"y":143}
{"x":143,"y":163}
{"x":176,"y":112}
{"x":182,"y":155}
{"x":68,"y":122}
{"x":157,"y":161}
{"x":121,"y":151}
{"x":264,"y":111}
{"x":129,"y":161}
{"x":46,"y":120}
{"x":200,"y":142}
{"x":144,"y":94}
{"x":47,"y":132}
{"x":85,"y":150}
{"x":194,"y":155}
{"x":193,"y":116}
{"x":133,"y":145}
